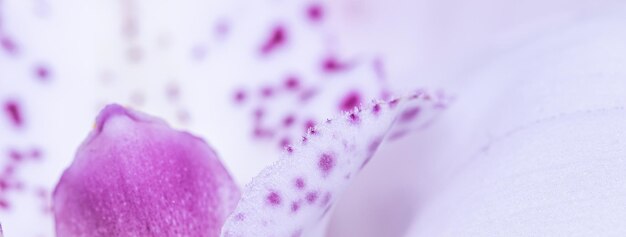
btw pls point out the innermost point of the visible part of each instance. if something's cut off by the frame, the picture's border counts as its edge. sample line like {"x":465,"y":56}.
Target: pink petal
{"x":135,"y":176}
{"x":292,"y":195}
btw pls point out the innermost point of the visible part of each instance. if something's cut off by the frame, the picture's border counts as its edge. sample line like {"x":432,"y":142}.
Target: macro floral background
{"x":530,"y":140}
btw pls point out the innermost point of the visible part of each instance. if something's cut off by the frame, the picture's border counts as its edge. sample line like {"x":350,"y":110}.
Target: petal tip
{"x":108,"y":112}
{"x":113,"y":110}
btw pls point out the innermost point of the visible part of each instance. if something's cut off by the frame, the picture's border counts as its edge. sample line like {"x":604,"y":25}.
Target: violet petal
{"x":135,"y":176}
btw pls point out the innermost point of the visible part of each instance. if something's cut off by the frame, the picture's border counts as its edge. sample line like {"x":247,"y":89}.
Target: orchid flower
{"x":312,"y":118}
{"x":134,"y":176}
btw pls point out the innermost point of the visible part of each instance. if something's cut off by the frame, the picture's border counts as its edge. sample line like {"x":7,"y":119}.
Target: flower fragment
{"x":135,"y":176}
{"x":290,"y":196}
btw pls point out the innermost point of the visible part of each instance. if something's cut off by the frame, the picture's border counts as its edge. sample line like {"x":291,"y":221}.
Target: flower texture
{"x":397,"y":118}
{"x":135,"y":176}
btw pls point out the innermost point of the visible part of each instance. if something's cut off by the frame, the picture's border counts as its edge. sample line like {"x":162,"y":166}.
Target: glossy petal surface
{"x":135,"y":176}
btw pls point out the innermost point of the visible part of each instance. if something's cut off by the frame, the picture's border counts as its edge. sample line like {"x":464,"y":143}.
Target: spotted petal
{"x":289,"y":197}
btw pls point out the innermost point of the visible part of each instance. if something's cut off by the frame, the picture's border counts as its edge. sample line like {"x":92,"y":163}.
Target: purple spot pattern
{"x":323,"y":160}
{"x":325,"y":74}
{"x":13,"y":111}
{"x":325,"y":70}
{"x":11,"y":184}
{"x":276,"y":39}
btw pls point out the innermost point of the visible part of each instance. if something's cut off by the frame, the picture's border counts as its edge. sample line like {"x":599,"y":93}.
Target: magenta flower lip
{"x":135,"y":176}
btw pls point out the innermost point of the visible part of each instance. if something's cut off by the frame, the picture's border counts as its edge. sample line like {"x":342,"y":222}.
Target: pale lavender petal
{"x":560,"y":177}
{"x":291,"y":196}
{"x":135,"y":176}
{"x":541,"y":149}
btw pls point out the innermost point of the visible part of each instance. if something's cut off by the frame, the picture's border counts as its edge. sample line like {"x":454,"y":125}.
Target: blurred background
{"x":248,"y":76}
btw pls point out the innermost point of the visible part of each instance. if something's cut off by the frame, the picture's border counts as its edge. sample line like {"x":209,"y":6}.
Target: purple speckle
{"x":289,"y":120}
{"x":4,"y":205}
{"x":273,"y":198}
{"x":277,"y":38}
{"x":240,"y":217}
{"x":326,"y":163}
{"x":419,"y":93}
{"x":285,"y":142}
{"x":8,"y":45}
{"x":332,"y":65}
{"x":308,"y":95}
{"x":8,"y":170}
{"x":376,"y":109}
{"x":295,"y":206}
{"x":260,"y":132}
{"x":42,"y":72}
{"x":258,"y":114}
{"x":35,"y":153}
{"x":14,"y":112}
{"x":309,"y":125}
{"x":393,"y":103}
{"x":311,"y":197}
{"x":267,"y":92}
{"x":9,"y":183}
{"x":292,"y":83}
{"x":299,"y":183}
{"x":350,"y":101}
{"x":409,"y":114}
{"x":315,"y":12}
{"x":15,"y":155}
{"x":222,"y":28}
{"x":3,"y":185}
{"x":354,"y":118}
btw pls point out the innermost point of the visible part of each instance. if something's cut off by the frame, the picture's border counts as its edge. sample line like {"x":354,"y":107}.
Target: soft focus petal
{"x":135,"y":176}
{"x":287,"y":198}
{"x":570,"y":68}
{"x":560,"y":177}
{"x":540,"y":153}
